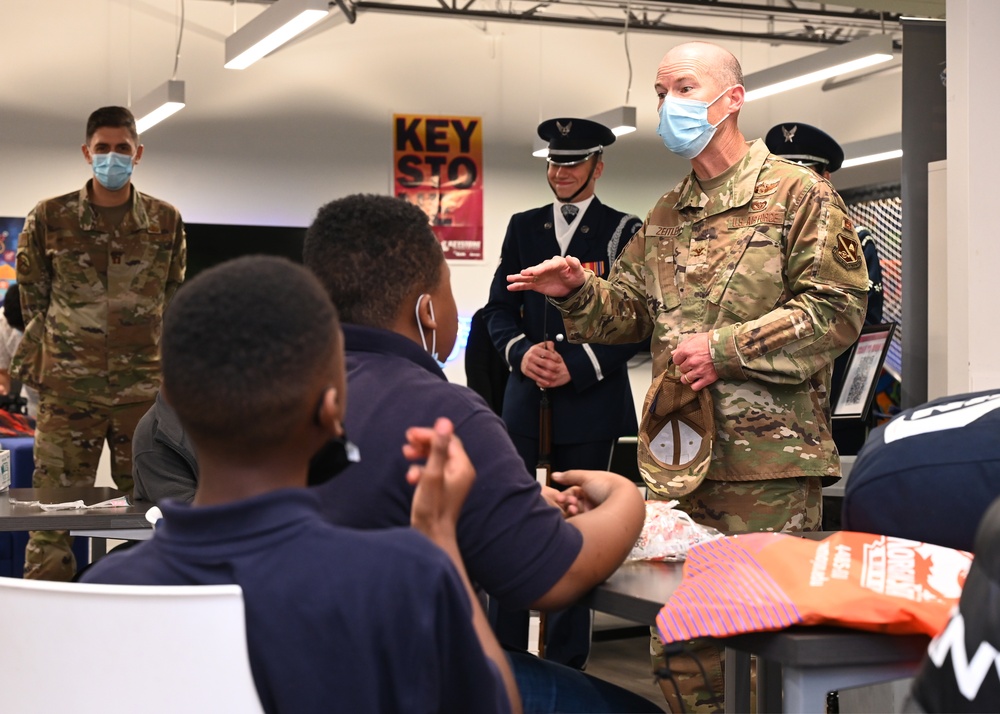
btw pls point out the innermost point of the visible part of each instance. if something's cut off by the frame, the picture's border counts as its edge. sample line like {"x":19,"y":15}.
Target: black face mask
{"x":335,"y":456}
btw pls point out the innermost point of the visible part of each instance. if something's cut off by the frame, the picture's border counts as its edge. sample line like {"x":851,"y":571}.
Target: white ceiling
{"x":62,"y":59}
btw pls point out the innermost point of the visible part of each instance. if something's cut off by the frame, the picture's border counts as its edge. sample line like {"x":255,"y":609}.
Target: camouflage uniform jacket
{"x":93,"y":297}
{"x":772,"y":269}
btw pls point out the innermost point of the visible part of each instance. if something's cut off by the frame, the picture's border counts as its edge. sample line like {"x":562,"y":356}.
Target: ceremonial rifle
{"x":543,"y":467}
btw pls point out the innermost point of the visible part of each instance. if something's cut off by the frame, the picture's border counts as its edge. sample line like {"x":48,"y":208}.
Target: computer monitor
{"x":857,"y":391}
{"x":209,"y":244}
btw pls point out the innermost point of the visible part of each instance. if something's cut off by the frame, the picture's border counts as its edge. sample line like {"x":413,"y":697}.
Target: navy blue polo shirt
{"x":515,"y":546}
{"x":337,"y":619}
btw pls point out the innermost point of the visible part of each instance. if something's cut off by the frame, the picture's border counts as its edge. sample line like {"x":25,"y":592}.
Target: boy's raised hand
{"x":442,"y":483}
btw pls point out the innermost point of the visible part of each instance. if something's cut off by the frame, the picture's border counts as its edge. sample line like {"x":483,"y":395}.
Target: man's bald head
{"x":717,"y":62}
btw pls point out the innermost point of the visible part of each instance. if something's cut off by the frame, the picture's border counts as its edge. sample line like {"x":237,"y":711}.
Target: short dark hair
{"x":244,"y":345}
{"x":12,"y":307}
{"x":372,"y":252}
{"x":114,"y":117}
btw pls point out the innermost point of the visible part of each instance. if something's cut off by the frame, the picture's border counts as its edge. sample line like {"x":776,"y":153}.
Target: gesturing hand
{"x":443,"y":482}
{"x":556,"y":277}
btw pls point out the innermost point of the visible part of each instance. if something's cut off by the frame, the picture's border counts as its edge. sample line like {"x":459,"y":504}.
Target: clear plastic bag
{"x":668,"y":533}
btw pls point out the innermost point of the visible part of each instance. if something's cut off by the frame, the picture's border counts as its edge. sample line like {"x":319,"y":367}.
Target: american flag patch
{"x":598,"y":266}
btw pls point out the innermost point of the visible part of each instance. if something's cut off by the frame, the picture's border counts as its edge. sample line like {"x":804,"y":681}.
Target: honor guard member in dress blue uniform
{"x":812,"y":147}
{"x":587,"y":385}
{"x":805,"y":144}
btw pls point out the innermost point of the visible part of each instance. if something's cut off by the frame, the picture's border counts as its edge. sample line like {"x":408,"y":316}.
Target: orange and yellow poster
{"x":439,"y":166}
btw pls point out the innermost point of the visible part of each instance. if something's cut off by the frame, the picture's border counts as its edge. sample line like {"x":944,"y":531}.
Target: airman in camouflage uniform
{"x":96,"y":269}
{"x":770,"y":268}
{"x":750,"y":279}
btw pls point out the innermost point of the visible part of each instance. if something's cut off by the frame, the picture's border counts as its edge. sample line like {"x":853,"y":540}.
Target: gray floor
{"x":624,"y":661}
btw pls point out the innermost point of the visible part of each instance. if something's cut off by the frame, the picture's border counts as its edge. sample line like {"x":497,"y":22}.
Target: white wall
{"x":272,"y":143}
{"x":973,"y":248}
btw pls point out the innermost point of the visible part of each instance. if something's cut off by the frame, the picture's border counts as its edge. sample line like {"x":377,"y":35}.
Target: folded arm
{"x":610,"y":516}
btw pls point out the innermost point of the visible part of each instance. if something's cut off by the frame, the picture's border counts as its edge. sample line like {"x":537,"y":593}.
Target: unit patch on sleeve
{"x":848,"y":250}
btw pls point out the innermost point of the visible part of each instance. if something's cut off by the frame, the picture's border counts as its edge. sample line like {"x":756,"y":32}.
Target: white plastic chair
{"x":82,"y":648}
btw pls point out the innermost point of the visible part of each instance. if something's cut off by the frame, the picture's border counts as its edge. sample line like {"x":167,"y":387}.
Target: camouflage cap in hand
{"x":675,"y":436}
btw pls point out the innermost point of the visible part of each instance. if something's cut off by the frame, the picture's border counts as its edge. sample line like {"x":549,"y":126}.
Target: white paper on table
{"x":119,"y":502}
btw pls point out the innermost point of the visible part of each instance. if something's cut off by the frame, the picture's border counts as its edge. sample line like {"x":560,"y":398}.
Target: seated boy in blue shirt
{"x":389,"y":623}
{"x":384,"y":269}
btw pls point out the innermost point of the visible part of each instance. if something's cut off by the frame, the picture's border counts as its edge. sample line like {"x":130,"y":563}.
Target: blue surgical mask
{"x":684,"y":125}
{"x":112,"y":170}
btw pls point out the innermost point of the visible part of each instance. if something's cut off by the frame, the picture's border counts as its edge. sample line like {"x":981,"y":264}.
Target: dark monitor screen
{"x":209,"y":244}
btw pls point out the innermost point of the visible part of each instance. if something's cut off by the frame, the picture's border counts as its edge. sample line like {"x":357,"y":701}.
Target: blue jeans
{"x":547,"y":687}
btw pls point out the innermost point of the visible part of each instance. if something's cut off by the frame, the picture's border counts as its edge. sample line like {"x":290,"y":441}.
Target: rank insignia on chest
{"x":765,"y":188}
{"x":598,"y":266}
{"x":848,"y":250}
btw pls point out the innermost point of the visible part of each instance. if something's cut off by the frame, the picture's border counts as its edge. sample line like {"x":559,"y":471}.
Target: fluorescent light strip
{"x":817,"y":76}
{"x":158,"y":115}
{"x":164,"y":101}
{"x":849,"y":57}
{"x":872,"y":158}
{"x":299,"y":22}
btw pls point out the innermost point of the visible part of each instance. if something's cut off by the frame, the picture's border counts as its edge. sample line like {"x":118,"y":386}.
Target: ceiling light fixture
{"x":621,"y":120}
{"x":842,"y":59}
{"x":167,"y":99}
{"x":868,"y":151}
{"x":272,"y":28}
{"x":164,"y":101}
{"x":540,"y":148}
{"x":846,"y":81}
